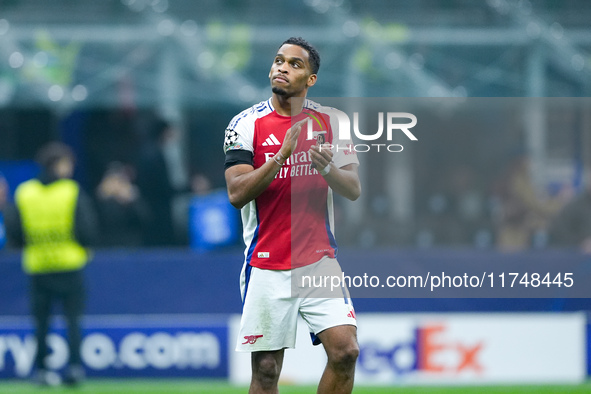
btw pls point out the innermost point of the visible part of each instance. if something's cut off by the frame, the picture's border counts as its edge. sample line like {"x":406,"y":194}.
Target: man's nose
{"x":282,"y":68}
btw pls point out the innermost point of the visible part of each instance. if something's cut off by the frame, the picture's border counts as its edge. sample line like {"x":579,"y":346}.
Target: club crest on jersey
{"x":319,"y":136}
{"x":315,"y":118}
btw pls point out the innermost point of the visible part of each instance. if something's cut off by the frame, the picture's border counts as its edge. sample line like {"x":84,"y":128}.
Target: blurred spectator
{"x":522,"y":213}
{"x":572,"y":226}
{"x":54,"y":220}
{"x":3,"y":204}
{"x":469,"y":209}
{"x":209,"y":220}
{"x":200,"y":185}
{"x":3,"y":192}
{"x":455,"y":211}
{"x":155,"y":186}
{"x":124,"y":215}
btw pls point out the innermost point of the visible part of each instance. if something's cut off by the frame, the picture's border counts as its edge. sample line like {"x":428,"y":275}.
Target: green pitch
{"x":171,"y":386}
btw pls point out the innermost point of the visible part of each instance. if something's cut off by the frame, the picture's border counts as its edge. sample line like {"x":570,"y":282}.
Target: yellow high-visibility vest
{"x":47,"y":215}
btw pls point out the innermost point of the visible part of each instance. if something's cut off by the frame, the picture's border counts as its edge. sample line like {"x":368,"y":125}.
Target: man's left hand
{"x":321,"y":156}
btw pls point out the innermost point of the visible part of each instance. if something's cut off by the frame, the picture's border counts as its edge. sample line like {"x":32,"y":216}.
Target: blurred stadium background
{"x":102,"y":76}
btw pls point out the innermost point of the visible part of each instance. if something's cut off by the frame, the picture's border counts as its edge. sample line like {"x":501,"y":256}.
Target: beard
{"x":278,"y":91}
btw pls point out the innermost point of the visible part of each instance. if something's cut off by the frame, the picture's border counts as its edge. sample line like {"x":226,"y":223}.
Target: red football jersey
{"x":291,"y":223}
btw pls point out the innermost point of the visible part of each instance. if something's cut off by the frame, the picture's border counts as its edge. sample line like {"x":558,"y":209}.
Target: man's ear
{"x":312,"y":80}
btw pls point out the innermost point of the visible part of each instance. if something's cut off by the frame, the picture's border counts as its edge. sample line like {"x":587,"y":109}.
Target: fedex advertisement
{"x":448,"y":349}
{"x":427,"y":350}
{"x":474,"y":348}
{"x":129,"y":346}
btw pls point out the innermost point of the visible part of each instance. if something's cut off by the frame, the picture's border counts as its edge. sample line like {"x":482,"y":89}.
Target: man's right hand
{"x":246,"y":183}
{"x":291,"y":138}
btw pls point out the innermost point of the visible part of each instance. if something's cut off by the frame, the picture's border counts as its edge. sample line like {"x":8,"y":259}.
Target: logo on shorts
{"x":352,"y":314}
{"x":263,"y":255}
{"x":251,"y":339}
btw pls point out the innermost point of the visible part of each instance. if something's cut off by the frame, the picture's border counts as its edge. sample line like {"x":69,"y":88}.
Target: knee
{"x":266,"y":371}
{"x":344,"y":357}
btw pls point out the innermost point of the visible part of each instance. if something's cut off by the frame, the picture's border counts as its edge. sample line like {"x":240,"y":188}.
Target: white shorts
{"x":270,"y":310}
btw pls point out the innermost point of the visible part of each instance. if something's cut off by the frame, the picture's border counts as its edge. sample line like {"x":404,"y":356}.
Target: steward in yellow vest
{"x":53,"y":220}
{"x":47,"y":215}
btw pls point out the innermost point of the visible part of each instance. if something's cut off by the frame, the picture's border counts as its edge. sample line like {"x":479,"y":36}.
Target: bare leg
{"x":342,"y":350}
{"x":266,"y":368}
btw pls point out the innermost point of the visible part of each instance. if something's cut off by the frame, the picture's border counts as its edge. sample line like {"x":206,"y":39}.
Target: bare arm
{"x":344,"y":180}
{"x":245,"y":183}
